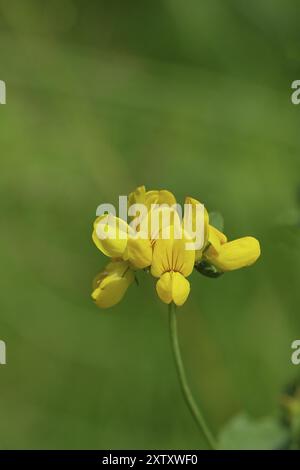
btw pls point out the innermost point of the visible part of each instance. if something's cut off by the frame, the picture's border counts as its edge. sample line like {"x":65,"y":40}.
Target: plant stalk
{"x":197,"y":415}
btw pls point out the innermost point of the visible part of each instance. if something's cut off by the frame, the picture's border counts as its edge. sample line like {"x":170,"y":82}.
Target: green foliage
{"x":244,"y":433}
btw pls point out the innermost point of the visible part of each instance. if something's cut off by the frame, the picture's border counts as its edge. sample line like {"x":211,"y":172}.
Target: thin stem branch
{"x":197,"y":415}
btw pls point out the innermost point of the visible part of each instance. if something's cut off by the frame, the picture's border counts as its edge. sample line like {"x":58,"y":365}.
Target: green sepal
{"x":207,"y":269}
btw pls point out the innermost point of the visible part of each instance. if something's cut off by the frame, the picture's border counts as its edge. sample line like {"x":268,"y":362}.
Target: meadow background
{"x":105,"y":96}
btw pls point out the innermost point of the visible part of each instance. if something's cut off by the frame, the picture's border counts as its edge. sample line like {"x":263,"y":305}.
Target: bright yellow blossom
{"x":169,"y":258}
{"x":228,"y":256}
{"x":111,"y":284}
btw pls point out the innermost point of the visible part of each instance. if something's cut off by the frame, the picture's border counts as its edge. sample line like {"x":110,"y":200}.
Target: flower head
{"x":166,"y":244}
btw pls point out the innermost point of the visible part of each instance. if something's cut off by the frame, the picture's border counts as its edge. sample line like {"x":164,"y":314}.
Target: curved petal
{"x":160,"y":197}
{"x":235,"y":254}
{"x":216,"y":238}
{"x":111,"y":284}
{"x":193,"y":203}
{"x":160,"y":258}
{"x":137,"y":196}
{"x":110,"y":293}
{"x":110,"y":235}
{"x":172,"y":255}
{"x":163,"y":199}
{"x":141,"y":196}
{"x":138,"y":252}
{"x":184,"y":258}
{"x":173,"y":286}
{"x":180,"y":288}
{"x":164,"y":288}
{"x":119,"y":268}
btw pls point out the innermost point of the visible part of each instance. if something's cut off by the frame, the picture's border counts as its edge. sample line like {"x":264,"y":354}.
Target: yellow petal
{"x":159,"y":256}
{"x":180,"y":289}
{"x":172,"y":255}
{"x":141,"y":196}
{"x":173,"y":286}
{"x":216,"y":238}
{"x":194,"y":204}
{"x":160,"y":197}
{"x":192,"y":213}
{"x":137,"y":196}
{"x":119,"y":268}
{"x":111,"y":284}
{"x":164,"y":288}
{"x":110,"y":293}
{"x":163,"y":220}
{"x":149,"y":198}
{"x":110,"y":235}
{"x":184,"y":258}
{"x":235,"y":254}
{"x":138,"y":252}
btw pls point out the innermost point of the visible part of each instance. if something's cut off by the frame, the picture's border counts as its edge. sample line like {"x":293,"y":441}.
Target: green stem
{"x":197,"y":415}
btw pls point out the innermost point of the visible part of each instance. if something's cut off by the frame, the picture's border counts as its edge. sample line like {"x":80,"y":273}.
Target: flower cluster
{"x":167,"y":259}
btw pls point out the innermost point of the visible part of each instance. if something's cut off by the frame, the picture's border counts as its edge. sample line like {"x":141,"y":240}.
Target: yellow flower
{"x":228,"y":256}
{"x":111,"y":284}
{"x":141,"y":196}
{"x":113,"y":238}
{"x":172,"y":263}
{"x":169,"y":246}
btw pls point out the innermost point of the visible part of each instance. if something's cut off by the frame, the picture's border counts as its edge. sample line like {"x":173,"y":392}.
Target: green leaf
{"x":245,"y":433}
{"x":216,"y":220}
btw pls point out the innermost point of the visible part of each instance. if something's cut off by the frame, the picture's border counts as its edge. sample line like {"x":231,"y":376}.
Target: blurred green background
{"x":102,"y":97}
